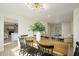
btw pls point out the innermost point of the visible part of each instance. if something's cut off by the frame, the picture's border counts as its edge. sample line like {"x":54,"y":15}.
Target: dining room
{"x":43,"y":29}
{"x":39,"y":35}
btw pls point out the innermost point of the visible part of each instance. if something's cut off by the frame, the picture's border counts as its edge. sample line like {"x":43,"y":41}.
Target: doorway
{"x":9,"y":29}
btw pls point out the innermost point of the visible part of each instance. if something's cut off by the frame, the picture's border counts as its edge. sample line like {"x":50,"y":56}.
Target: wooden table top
{"x":50,"y":41}
{"x":46,"y":42}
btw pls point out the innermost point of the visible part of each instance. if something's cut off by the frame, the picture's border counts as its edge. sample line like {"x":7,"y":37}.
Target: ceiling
{"x":54,"y":13}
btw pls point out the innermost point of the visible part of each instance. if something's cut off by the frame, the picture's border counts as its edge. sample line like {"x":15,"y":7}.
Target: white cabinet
{"x":14,"y":37}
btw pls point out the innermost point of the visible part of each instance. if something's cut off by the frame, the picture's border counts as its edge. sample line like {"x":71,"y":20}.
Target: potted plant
{"x":37,"y":27}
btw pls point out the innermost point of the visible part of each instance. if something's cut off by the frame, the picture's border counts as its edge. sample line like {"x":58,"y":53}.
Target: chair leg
{"x":20,"y":51}
{"x":23,"y":52}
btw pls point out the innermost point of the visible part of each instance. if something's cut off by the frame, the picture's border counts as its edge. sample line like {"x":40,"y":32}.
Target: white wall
{"x":1,"y":34}
{"x":67,"y":29}
{"x":10,"y":20}
{"x":57,"y":28}
{"x":54,"y":29}
{"x":76,"y":25}
{"x":50,"y":28}
{"x":64,"y":29}
{"x":24,"y":25}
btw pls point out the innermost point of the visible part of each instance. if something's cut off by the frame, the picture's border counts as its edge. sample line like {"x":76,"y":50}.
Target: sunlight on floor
{"x":15,"y":51}
{"x":8,"y":43}
{"x":8,"y":49}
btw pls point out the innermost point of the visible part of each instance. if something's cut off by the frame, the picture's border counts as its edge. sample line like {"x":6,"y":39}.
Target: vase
{"x":38,"y":36}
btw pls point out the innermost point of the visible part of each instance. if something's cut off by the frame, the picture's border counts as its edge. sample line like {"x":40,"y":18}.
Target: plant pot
{"x":38,"y":36}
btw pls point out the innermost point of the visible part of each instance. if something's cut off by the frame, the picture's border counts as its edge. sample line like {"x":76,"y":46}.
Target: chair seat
{"x":32,"y":51}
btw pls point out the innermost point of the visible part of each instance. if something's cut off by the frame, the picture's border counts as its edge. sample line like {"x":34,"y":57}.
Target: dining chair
{"x":23,"y":47}
{"x":29,"y":42}
{"x":24,"y":35}
{"x":45,"y":50}
{"x":31,"y":51}
{"x":76,"y":53}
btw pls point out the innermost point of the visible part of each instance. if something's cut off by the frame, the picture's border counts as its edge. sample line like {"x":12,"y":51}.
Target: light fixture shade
{"x":36,"y":6}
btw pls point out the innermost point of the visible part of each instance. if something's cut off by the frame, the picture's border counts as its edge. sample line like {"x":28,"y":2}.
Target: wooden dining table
{"x":60,"y":48}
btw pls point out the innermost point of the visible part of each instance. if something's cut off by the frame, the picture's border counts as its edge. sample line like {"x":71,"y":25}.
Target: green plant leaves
{"x":37,"y":27}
